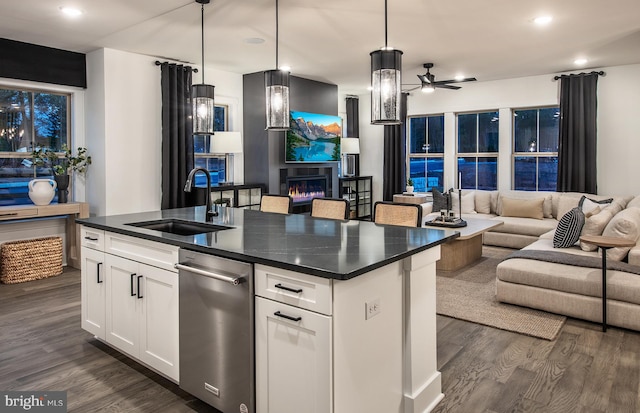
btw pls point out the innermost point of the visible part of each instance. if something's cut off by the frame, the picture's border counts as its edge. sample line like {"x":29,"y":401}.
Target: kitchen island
{"x":361,"y":338}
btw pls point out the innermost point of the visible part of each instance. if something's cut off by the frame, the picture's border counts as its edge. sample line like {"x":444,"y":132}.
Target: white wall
{"x":124,"y":122}
{"x":618,"y":124}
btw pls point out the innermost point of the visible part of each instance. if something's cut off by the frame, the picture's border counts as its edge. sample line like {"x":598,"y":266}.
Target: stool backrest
{"x":280,"y":204}
{"x":329,"y":208}
{"x":407,"y":215}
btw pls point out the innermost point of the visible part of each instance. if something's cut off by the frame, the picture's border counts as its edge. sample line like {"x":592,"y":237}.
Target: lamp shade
{"x":203,"y":109}
{"x":386,"y":81}
{"x":226,"y":142}
{"x":276,"y":84}
{"x":350,"y":145}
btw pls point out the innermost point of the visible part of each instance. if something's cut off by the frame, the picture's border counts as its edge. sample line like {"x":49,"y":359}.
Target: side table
{"x":605,"y":243}
{"x":411,"y":199}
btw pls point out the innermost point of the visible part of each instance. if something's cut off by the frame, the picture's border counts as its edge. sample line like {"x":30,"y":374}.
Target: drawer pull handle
{"x":98,"y":273}
{"x":293,"y":290}
{"x":90,"y":238}
{"x":132,"y":277}
{"x":139,"y":295}
{"x":9,"y":214}
{"x":288,"y":317}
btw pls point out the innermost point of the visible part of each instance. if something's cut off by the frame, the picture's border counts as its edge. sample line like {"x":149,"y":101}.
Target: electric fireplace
{"x":302,"y":189}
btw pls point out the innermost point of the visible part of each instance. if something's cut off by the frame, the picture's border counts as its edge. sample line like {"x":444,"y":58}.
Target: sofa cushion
{"x":524,"y":208}
{"x":569,"y":227}
{"x":635,"y":202}
{"x":588,"y":204}
{"x":513,"y":194}
{"x":525,"y":226}
{"x":566,"y":204}
{"x":468,"y":202}
{"x":595,"y":224}
{"x":483,"y":202}
{"x":626,"y":224}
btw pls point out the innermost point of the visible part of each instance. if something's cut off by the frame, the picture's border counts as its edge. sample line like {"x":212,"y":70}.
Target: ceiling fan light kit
{"x":202,"y":95}
{"x":386,"y":82}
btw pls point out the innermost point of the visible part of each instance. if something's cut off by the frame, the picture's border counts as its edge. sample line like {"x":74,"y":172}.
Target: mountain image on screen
{"x":313,"y":137}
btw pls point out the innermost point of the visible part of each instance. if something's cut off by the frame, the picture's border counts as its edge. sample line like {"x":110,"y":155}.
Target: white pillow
{"x":468,"y":202}
{"x":589,"y":205}
{"x":626,"y":224}
{"x":483,"y":202}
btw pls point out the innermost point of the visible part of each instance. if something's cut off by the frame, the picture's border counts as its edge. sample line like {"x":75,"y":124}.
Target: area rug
{"x":469,"y":294}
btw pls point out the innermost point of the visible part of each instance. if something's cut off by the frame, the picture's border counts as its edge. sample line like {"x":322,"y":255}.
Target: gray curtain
{"x":578,"y":130}
{"x":353,"y":125}
{"x":177,"y":138}
{"x":393,"y":169}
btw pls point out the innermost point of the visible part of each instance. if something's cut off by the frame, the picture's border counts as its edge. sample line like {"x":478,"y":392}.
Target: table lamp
{"x":348,"y":148}
{"x":227,"y":143}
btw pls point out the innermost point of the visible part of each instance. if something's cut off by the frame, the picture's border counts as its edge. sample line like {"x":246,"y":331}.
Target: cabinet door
{"x":122,"y":304}
{"x":159,"y":320}
{"x":93,"y":292}
{"x":293,"y":359}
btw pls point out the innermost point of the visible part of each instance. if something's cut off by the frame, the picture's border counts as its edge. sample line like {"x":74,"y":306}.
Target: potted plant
{"x":62,"y":166}
{"x":410,"y":185}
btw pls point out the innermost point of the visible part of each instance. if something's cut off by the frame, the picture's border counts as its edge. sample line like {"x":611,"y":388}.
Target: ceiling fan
{"x":429,"y":84}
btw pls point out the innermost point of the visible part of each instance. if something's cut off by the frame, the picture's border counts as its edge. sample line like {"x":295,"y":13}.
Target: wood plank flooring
{"x":485,"y":370}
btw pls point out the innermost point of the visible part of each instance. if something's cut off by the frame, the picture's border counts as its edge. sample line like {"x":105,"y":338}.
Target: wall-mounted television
{"x":313,"y":137}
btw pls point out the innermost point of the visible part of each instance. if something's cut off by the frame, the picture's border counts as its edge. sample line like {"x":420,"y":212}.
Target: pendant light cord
{"x":385,"y":24}
{"x":202,"y":38}
{"x":277,"y":34}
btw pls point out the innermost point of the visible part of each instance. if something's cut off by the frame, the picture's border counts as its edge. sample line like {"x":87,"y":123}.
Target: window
{"x":478,"y":150}
{"x":535,"y":149}
{"x":28,"y":119}
{"x":426,"y":152}
{"x":203,"y":158}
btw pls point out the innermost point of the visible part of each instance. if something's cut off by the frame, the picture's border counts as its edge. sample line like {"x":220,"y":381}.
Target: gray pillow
{"x":440,"y":200}
{"x":569,"y":228}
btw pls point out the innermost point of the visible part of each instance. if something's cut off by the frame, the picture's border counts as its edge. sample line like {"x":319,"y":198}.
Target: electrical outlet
{"x":371,"y":308}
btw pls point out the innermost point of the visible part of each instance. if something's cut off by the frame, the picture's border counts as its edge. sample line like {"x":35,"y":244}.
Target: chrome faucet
{"x":187,"y":188}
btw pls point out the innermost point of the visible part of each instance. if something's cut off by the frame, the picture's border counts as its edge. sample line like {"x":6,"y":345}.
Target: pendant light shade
{"x":276,"y":83}
{"x":277,"y":94}
{"x":386,"y":81}
{"x":202,"y":95}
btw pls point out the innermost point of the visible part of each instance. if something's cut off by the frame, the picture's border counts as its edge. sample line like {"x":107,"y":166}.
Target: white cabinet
{"x":93,"y":292}
{"x":130,"y":297}
{"x":293,"y":344}
{"x":293,"y":359}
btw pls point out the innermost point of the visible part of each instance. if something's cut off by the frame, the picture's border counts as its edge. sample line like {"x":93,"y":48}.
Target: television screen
{"x":313,"y":138}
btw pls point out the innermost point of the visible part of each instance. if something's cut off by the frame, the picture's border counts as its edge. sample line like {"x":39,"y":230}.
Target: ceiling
{"x":330,"y":40}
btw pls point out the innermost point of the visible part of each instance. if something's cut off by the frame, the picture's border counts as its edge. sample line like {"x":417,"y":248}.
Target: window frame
{"x":477,"y":155}
{"x":423,"y":155}
{"x":537,"y":155}
{"x":199,"y":156}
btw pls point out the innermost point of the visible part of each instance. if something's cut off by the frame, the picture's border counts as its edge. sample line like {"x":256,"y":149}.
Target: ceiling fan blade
{"x":413,"y":88}
{"x":468,"y":79}
{"x":446,"y":86}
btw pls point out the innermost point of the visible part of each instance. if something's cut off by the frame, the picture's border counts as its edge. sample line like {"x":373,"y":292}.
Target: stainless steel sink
{"x":179,"y":227}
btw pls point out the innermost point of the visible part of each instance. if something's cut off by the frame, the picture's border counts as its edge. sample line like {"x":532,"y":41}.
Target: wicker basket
{"x":29,"y":260}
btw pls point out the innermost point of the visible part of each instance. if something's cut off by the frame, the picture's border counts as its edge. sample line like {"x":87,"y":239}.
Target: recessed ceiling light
{"x":580,"y":62}
{"x":254,"y":40}
{"x":542,"y":20}
{"x":71,"y":11}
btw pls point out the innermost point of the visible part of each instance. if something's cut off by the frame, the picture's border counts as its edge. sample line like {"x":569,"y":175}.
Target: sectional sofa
{"x":530,"y":220}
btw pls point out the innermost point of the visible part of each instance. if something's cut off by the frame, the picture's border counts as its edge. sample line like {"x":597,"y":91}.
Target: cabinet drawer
{"x":92,"y":238}
{"x":294,"y":288}
{"x":17,"y":213}
{"x":141,"y":250}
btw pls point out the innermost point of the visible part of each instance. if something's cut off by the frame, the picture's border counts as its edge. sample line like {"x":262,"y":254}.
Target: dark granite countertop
{"x":320,"y":247}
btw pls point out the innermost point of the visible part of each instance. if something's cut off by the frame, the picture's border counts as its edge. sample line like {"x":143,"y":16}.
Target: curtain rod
{"x":195,"y":70}
{"x":601,"y":73}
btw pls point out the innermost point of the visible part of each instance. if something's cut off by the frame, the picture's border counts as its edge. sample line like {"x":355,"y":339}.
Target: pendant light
{"x":202,"y":95}
{"x":386,"y":67}
{"x":277,"y":93}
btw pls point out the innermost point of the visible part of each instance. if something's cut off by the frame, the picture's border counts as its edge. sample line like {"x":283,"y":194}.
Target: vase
{"x":63,"y":186}
{"x":42,"y":191}
{"x":409,"y":189}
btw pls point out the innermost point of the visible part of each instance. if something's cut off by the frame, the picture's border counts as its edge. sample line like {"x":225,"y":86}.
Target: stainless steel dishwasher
{"x":216,"y":331}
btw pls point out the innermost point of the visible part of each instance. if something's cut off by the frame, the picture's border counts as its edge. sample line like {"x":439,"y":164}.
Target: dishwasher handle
{"x":221,"y":277}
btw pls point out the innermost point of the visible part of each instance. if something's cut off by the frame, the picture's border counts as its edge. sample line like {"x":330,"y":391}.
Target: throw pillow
{"x":588,"y":204}
{"x":565,"y":204}
{"x":547,"y":206}
{"x":596,"y":223}
{"x":440,"y":200}
{"x":483,"y":202}
{"x":568,"y":230}
{"x":626,"y":224}
{"x":524,"y":208}
{"x":635,"y":202}
{"x":468,"y":201}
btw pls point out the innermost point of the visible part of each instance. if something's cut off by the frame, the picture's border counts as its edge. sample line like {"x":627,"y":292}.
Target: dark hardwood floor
{"x":42,"y":347}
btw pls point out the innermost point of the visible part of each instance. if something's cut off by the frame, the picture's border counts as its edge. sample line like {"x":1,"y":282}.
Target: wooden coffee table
{"x":467,"y":248}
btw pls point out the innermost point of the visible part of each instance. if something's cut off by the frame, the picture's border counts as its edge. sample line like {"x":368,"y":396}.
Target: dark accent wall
{"x":264,"y":151}
{"x":28,"y":61}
